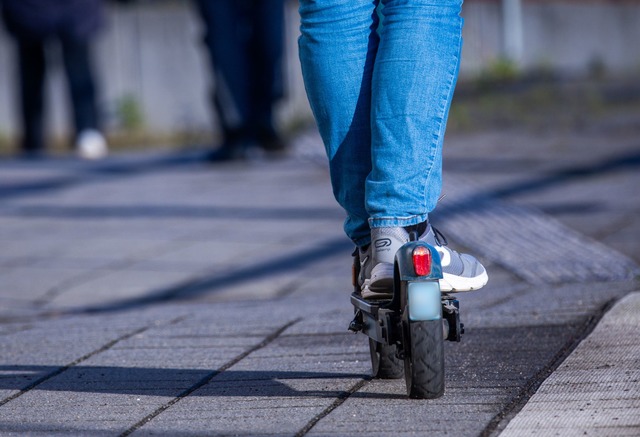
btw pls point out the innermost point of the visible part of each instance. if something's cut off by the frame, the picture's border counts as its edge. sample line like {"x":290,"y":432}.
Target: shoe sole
{"x":453,"y":284}
{"x":370,"y":295}
{"x":381,"y":284}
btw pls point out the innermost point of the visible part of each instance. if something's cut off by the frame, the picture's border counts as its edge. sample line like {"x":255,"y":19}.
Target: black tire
{"x":424,"y":364}
{"x":384,"y":362}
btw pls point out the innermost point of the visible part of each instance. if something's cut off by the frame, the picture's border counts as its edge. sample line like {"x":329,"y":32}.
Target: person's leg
{"x":80,"y":78}
{"x":413,"y":82}
{"x":89,"y":141}
{"x":32,"y":69}
{"x":266,"y":57}
{"x":338,"y":45}
{"x":226,"y":37}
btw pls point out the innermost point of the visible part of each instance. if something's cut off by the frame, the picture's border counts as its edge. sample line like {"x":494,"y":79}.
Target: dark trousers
{"x":32,"y":69}
{"x":245,"y":42}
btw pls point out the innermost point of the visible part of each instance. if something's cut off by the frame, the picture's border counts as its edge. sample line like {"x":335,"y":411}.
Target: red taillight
{"x":422,"y":261}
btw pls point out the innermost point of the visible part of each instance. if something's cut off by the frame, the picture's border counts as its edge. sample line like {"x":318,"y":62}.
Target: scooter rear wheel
{"x":424,"y":364}
{"x":384,"y":361}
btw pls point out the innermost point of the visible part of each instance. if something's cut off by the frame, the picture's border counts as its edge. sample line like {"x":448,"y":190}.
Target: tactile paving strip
{"x":522,"y":239}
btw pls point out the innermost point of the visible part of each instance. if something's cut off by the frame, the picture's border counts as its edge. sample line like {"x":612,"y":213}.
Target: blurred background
{"x":524,"y":61}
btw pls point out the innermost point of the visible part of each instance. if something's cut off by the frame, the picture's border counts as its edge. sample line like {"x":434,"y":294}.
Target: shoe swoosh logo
{"x":363,"y":261}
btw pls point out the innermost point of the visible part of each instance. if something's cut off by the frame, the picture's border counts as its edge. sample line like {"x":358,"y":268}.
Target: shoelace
{"x":441,"y":240}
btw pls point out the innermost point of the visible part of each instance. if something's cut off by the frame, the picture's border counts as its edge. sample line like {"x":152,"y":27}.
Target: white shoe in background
{"x":91,"y":145}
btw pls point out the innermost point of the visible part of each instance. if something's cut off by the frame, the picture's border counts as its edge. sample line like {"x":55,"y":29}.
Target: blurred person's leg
{"x":267,"y":75}
{"x":82,"y":88}
{"x":227,"y":37}
{"x":32,"y":70}
{"x":89,"y":142}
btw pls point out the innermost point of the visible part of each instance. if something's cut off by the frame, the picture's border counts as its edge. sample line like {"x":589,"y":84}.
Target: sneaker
{"x":363,"y":259}
{"x":461,"y":272}
{"x":91,"y":145}
{"x":385,"y":242}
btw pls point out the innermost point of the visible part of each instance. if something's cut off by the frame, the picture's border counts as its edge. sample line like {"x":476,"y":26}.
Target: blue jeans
{"x":380,"y":90}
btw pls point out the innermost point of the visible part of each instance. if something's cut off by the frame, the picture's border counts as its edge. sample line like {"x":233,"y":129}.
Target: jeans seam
{"x":446,"y":97}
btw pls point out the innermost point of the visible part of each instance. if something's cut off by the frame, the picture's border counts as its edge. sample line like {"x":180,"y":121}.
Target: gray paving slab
{"x":381,"y":407}
{"x":532,"y":245}
{"x":596,"y":390}
{"x":33,"y":353}
{"x":541,"y":305}
{"x":123,"y":284}
{"x":222,"y":303}
{"x":113,"y":389}
{"x":248,"y":399}
{"x":586,"y":179}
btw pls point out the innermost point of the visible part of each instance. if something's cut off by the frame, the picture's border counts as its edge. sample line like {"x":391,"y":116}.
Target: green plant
{"x":500,"y":70}
{"x":129,"y":113}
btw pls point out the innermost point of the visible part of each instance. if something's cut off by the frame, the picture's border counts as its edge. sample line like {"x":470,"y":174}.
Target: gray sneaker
{"x":364,"y":267}
{"x":461,"y":272}
{"x":385,"y":242}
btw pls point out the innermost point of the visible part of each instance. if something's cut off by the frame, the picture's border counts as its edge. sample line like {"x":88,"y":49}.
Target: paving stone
{"x":223,"y":302}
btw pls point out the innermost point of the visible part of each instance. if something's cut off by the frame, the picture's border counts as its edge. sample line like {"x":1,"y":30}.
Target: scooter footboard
{"x":375,"y":322}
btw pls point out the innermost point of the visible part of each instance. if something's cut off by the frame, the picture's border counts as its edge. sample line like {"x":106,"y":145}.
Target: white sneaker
{"x":91,"y":145}
{"x":461,"y":272}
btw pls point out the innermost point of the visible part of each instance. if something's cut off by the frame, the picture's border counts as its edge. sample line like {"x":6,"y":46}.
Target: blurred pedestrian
{"x":73,"y":23}
{"x":245,"y":40}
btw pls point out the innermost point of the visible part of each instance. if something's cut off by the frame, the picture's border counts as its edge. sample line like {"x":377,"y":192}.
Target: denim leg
{"x":337,"y":46}
{"x":267,"y":59}
{"x":32,"y":63}
{"x":80,"y":77}
{"x":414,"y":77}
{"x":227,"y":36}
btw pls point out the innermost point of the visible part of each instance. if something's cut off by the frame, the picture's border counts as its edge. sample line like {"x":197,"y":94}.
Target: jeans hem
{"x":362,"y":241}
{"x":397,"y":222}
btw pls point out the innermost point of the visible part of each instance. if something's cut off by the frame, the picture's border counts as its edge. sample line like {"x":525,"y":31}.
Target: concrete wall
{"x":151,"y":55}
{"x":564,"y":35}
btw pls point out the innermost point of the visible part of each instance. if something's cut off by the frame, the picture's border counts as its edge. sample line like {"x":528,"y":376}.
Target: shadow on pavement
{"x":198,"y":286}
{"x":628,"y":161}
{"x":86,"y":172}
{"x":171,"y":382}
{"x":174,"y":211}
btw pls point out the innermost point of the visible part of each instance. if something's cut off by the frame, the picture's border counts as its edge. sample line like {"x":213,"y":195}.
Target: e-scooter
{"x":413,"y":325}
